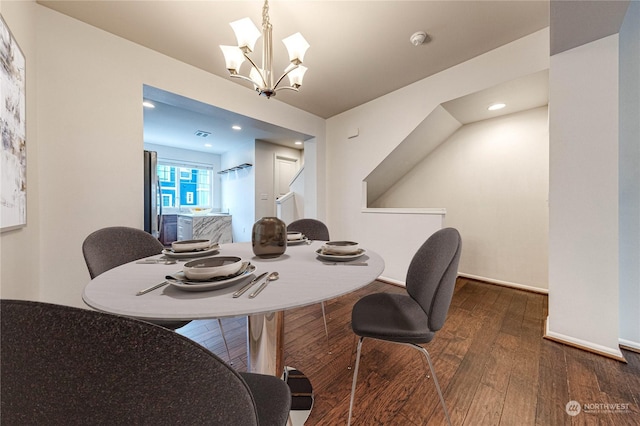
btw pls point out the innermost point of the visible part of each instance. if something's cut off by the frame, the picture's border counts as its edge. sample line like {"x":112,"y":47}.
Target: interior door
{"x":285,"y":169}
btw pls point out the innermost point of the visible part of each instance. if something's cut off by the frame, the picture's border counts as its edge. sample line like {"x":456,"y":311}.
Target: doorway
{"x":285,"y":168}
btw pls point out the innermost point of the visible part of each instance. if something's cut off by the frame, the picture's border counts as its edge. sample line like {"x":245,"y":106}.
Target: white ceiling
{"x":175,"y":120}
{"x":360,"y":50}
{"x":574,"y":23}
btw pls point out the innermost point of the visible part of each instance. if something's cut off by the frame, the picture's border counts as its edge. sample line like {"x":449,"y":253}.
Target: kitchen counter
{"x":210,"y":226}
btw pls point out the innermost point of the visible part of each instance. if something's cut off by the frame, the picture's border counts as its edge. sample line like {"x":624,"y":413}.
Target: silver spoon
{"x":272,"y":277}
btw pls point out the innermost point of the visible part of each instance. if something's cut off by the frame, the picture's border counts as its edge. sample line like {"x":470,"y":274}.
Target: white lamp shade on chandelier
{"x":262,"y":77}
{"x":296,"y":46}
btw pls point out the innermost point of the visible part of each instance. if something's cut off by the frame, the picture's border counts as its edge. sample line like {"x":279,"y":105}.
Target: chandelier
{"x":262,"y":78}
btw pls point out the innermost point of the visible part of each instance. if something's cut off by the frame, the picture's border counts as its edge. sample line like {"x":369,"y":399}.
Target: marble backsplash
{"x":215,"y":228}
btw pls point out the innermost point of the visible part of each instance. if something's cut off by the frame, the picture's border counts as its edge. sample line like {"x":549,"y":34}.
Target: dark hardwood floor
{"x":493,"y":365}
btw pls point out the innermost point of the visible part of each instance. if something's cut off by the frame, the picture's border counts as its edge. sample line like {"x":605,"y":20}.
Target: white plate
{"x":340,"y":257}
{"x":183,"y":283}
{"x":191,"y":254}
{"x":300,"y":241}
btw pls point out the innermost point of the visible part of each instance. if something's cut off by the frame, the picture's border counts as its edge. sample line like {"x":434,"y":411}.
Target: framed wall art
{"x":13,"y":161}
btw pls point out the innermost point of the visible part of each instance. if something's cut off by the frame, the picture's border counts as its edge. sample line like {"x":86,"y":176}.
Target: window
{"x":185,"y":186}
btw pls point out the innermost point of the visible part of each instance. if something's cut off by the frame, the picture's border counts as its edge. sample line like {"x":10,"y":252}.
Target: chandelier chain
{"x":265,"y":15}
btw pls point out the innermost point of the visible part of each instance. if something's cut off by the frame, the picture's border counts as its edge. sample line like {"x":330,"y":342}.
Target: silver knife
{"x":248,"y":285}
{"x":147,"y":290}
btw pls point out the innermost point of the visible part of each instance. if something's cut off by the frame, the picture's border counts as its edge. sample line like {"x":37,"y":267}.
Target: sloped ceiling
{"x":521,"y":94}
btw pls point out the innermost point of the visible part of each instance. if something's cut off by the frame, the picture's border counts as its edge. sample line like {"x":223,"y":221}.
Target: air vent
{"x":202,"y":133}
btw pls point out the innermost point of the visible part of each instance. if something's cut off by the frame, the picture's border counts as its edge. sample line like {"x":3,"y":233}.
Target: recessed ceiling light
{"x":496,"y":107}
{"x":236,"y":127}
{"x":208,"y":145}
{"x":298,"y":143}
{"x":148,"y":104}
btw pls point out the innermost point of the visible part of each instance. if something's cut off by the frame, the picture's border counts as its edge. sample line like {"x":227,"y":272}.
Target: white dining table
{"x":304,"y":279}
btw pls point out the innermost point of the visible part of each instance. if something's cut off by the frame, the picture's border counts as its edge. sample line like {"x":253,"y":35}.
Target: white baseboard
{"x":476,"y":277}
{"x":505,"y":283}
{"x":614,"y":353}
{"x":629,"y":344}
{"x":392,"y":281}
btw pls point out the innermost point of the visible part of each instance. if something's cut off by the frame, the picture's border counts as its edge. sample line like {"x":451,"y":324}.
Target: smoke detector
{"x":418,"y":38}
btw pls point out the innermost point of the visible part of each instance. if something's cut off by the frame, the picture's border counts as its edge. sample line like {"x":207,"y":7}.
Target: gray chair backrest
{"x":64,"y":365}
{"x":432,"y":274}
{"x":107,"y":248}
{"x":313,"y":229}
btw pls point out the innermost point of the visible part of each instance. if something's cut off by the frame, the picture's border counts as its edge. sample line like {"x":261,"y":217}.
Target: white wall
{"x":385,"y":122}
{"x":493,"y":178}
{"x":583,"y":197}
{"x":238,"y":189}
{"x":89,"y":135}
{"x":242,"y":190}
{"x":630,"y":178}
{"x":314,"y":186}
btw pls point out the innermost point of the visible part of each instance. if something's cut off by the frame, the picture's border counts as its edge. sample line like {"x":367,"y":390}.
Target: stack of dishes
{"x":211,"y":273}
{"x":340,"y":250}
{"x":191,"y":248}
{"x":295,"y":237}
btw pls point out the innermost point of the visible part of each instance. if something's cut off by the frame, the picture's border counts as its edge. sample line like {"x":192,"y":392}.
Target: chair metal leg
{"x":435,"y":379}
{"x":355,"y":379}
{"x":326,"y":329}
{"x":224,"y":339}
{"x":353,"y":351}
{"x":433,"y":374}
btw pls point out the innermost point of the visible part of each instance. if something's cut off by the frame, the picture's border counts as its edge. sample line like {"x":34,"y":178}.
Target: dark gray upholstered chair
{"x":414,"y":318}
{"x":109,"y":247}
{"x":64,"y":365}
{"x":315,"y":230}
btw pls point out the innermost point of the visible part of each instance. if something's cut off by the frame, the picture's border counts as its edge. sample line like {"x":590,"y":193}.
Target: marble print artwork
{"x":13,"y":158}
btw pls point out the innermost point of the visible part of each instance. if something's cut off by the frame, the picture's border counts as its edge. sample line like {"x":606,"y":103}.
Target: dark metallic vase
{"x":269,"y":237}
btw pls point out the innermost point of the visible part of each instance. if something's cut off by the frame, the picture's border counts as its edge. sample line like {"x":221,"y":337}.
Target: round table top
{"x":305,"y":279}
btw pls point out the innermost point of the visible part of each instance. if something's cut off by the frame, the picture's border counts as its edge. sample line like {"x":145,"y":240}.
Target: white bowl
{"x":294,"y":235}
{"x":211,"y":267}
{"x":340,"y":247}
{"x":190,"y":245}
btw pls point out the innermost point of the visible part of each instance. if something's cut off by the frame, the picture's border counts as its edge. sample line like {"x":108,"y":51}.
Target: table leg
{"x":265,"y":343}
{"x":265,"y":355}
